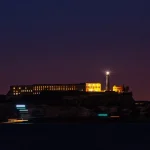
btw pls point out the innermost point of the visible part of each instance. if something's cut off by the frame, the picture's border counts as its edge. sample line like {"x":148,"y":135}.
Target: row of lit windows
{"x":93,"y":87}
{"x":14,"y":88}
{"x":54,"y":87}
{"x":20,"y":93}
{"x":93,"y":84}
{"x":46,"y":88}
{"x":16,"y":93}
{"x":23,"y":91}
{"x":39,"y":89}
{"x":26,"y":90}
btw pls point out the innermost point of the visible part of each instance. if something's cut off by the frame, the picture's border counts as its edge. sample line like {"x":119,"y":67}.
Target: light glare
{"x":107,"y":72}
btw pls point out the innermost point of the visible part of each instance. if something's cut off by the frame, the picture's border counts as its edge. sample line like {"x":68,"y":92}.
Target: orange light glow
{"x":117,"y":88}
{"x":114,"y":116}
{"x":15,"y":120}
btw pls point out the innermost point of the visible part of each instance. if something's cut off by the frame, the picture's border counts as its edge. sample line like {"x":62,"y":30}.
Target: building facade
{"x":117,"y":88}
{"x":37,"y":88}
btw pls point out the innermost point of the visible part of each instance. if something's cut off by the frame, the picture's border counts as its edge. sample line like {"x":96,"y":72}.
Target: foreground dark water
{"x":120,"y":136}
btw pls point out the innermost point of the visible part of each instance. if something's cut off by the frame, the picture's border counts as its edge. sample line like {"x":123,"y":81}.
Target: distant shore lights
{"x":21,"y":108}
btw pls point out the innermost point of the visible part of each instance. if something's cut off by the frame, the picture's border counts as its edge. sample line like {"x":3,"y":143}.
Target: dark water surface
{"x":120,"y":136}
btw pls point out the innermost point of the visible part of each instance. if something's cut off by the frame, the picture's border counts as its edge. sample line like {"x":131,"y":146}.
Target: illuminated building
{"x":37,"y":88}
{"x":117,"y":88}
{"x":93,"y":87}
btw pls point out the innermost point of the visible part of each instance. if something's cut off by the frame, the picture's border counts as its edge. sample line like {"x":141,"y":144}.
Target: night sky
{"x":71,"y":41}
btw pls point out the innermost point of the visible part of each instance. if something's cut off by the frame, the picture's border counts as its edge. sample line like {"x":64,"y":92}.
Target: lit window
{"x":14,"y":88}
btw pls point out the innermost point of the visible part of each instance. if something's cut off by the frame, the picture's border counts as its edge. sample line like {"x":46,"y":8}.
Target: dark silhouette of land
{"x":74,"y":105}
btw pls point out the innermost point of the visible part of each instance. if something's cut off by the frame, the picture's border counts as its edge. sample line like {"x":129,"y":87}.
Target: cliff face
{"x":126,"y":100}
{"x":79,"y":98}
{"x":6,"y":110}
{"x":110,"y":99}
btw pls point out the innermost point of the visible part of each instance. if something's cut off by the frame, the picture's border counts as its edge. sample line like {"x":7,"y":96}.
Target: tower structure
{"x":107,"y":81}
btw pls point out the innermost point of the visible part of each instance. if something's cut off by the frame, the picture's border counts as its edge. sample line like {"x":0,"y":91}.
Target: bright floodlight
{"x":107,"y":72}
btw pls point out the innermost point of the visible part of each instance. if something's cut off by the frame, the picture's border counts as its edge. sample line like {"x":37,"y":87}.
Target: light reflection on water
{"x":23,"y":123}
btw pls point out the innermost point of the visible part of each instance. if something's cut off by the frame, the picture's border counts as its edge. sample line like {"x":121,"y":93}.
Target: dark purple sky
{"x":71,"y":41}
